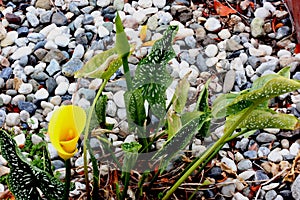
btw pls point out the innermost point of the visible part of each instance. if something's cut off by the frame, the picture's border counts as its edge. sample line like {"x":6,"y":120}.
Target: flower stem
{"x":86,"y":135}
{"x":67,"y":179}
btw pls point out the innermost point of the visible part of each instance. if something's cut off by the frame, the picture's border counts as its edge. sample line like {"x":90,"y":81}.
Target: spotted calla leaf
{"x":25,"y":179}
{"x":135,"y":109}
{"x":182,"y":138}
{"x":266,"y":118}
{"x":151,"y":74}
{"x":276,"y":86}
{"x":100,"y":110}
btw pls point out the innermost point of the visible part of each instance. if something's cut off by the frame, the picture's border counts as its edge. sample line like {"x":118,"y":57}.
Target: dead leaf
{"x":149,"y":43}
{"x":143,"y":32}
{"x":17,"y":83}
{"x":295,"y":169}
{"x":297,"y":49}
{"x":223,"y":10}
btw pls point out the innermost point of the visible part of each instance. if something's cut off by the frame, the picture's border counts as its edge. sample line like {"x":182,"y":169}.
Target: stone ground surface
{"x":44,"y":42}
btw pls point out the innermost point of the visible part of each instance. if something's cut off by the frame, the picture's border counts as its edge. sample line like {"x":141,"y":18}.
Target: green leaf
{"x":267,"y":118}
{"x":273,"y":87}
{"x":151,"y":74}
{"x":131,"y":154}
{"x":202,"y":102}
{"x":24,"y":179}
{"x":221,"y":103}
{"x":203,"y":106}
{"x":102,"y":65}
{"x":100,"y":110}
{"x":181,"y":94}
{"x":122,"y":44}
{"x":285,"y":72}
{"x":132,"y":147}
{"x":135,"y":109}
{"x":181,"y":139}
{"x":174,"y":123}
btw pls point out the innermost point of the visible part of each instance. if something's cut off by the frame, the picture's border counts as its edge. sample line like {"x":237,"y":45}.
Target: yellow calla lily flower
{"x":65,"y":126}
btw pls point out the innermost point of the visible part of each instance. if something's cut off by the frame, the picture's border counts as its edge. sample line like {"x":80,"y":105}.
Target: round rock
{"x":212,"y":24}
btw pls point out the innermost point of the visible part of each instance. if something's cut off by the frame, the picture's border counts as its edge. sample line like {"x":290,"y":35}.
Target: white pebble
{"x":41,"y":94}
{"x":20,"y":139}
{"x":211,"y":50}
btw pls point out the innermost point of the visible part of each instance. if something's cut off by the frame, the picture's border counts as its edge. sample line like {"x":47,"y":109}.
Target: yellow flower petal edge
{"x":65,"y":126}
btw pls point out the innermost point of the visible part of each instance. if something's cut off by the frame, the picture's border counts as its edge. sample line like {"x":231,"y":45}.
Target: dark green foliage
{"x":24,"y":178}
{"x":151,"y":75}
{"x":100,"y":110}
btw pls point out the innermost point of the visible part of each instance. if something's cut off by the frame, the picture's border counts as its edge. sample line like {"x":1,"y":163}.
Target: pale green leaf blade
{"x":101,"y":65}
{"x":221,"y":103}
{"x":181,"y":94}
{"x":276,"y":86}
{"x":267,"y":118}
{"x":174,"y":123}
{"x":122,"y":44}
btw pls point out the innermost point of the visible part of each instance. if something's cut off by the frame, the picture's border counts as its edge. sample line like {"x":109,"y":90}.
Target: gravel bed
{"x":44,"y":42}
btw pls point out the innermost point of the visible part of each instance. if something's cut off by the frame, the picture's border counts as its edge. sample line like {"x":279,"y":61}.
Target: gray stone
{"x":111,"y":108}
{"x":228,"y":189}
{"x":296,"y":188}
{"x":270,"y":195}
{"x":261,"y":13}
{"x":32,"y":19}
{"x":263,"y":151}
{"x":145,"y":3}
{"x":62,"y":88}
{"x":12,"y":119}
{"x":229,"y":81}
{"x":190,"y":41}
{"x":53,"y":67}
{"x":78,"y":51}
{"x":265,"y":137}
{"x":103,"y":3}
{"x":232,"y":45}
{"x":119,"y":99}
{"x":20,"y":140}
{"x":159,"y":3}
{"x":2,"y":117}
{"x":244,"y":165}
{"x":275,"y":156}
{"x":22,"y":51}
{"x":52,"y":151}
{"x":230,"y":163}
{"x":270,"y":65}
{"x":72,"y":66}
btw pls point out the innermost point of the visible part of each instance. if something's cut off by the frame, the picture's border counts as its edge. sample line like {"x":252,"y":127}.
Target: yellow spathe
{"x":65,"y":126}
